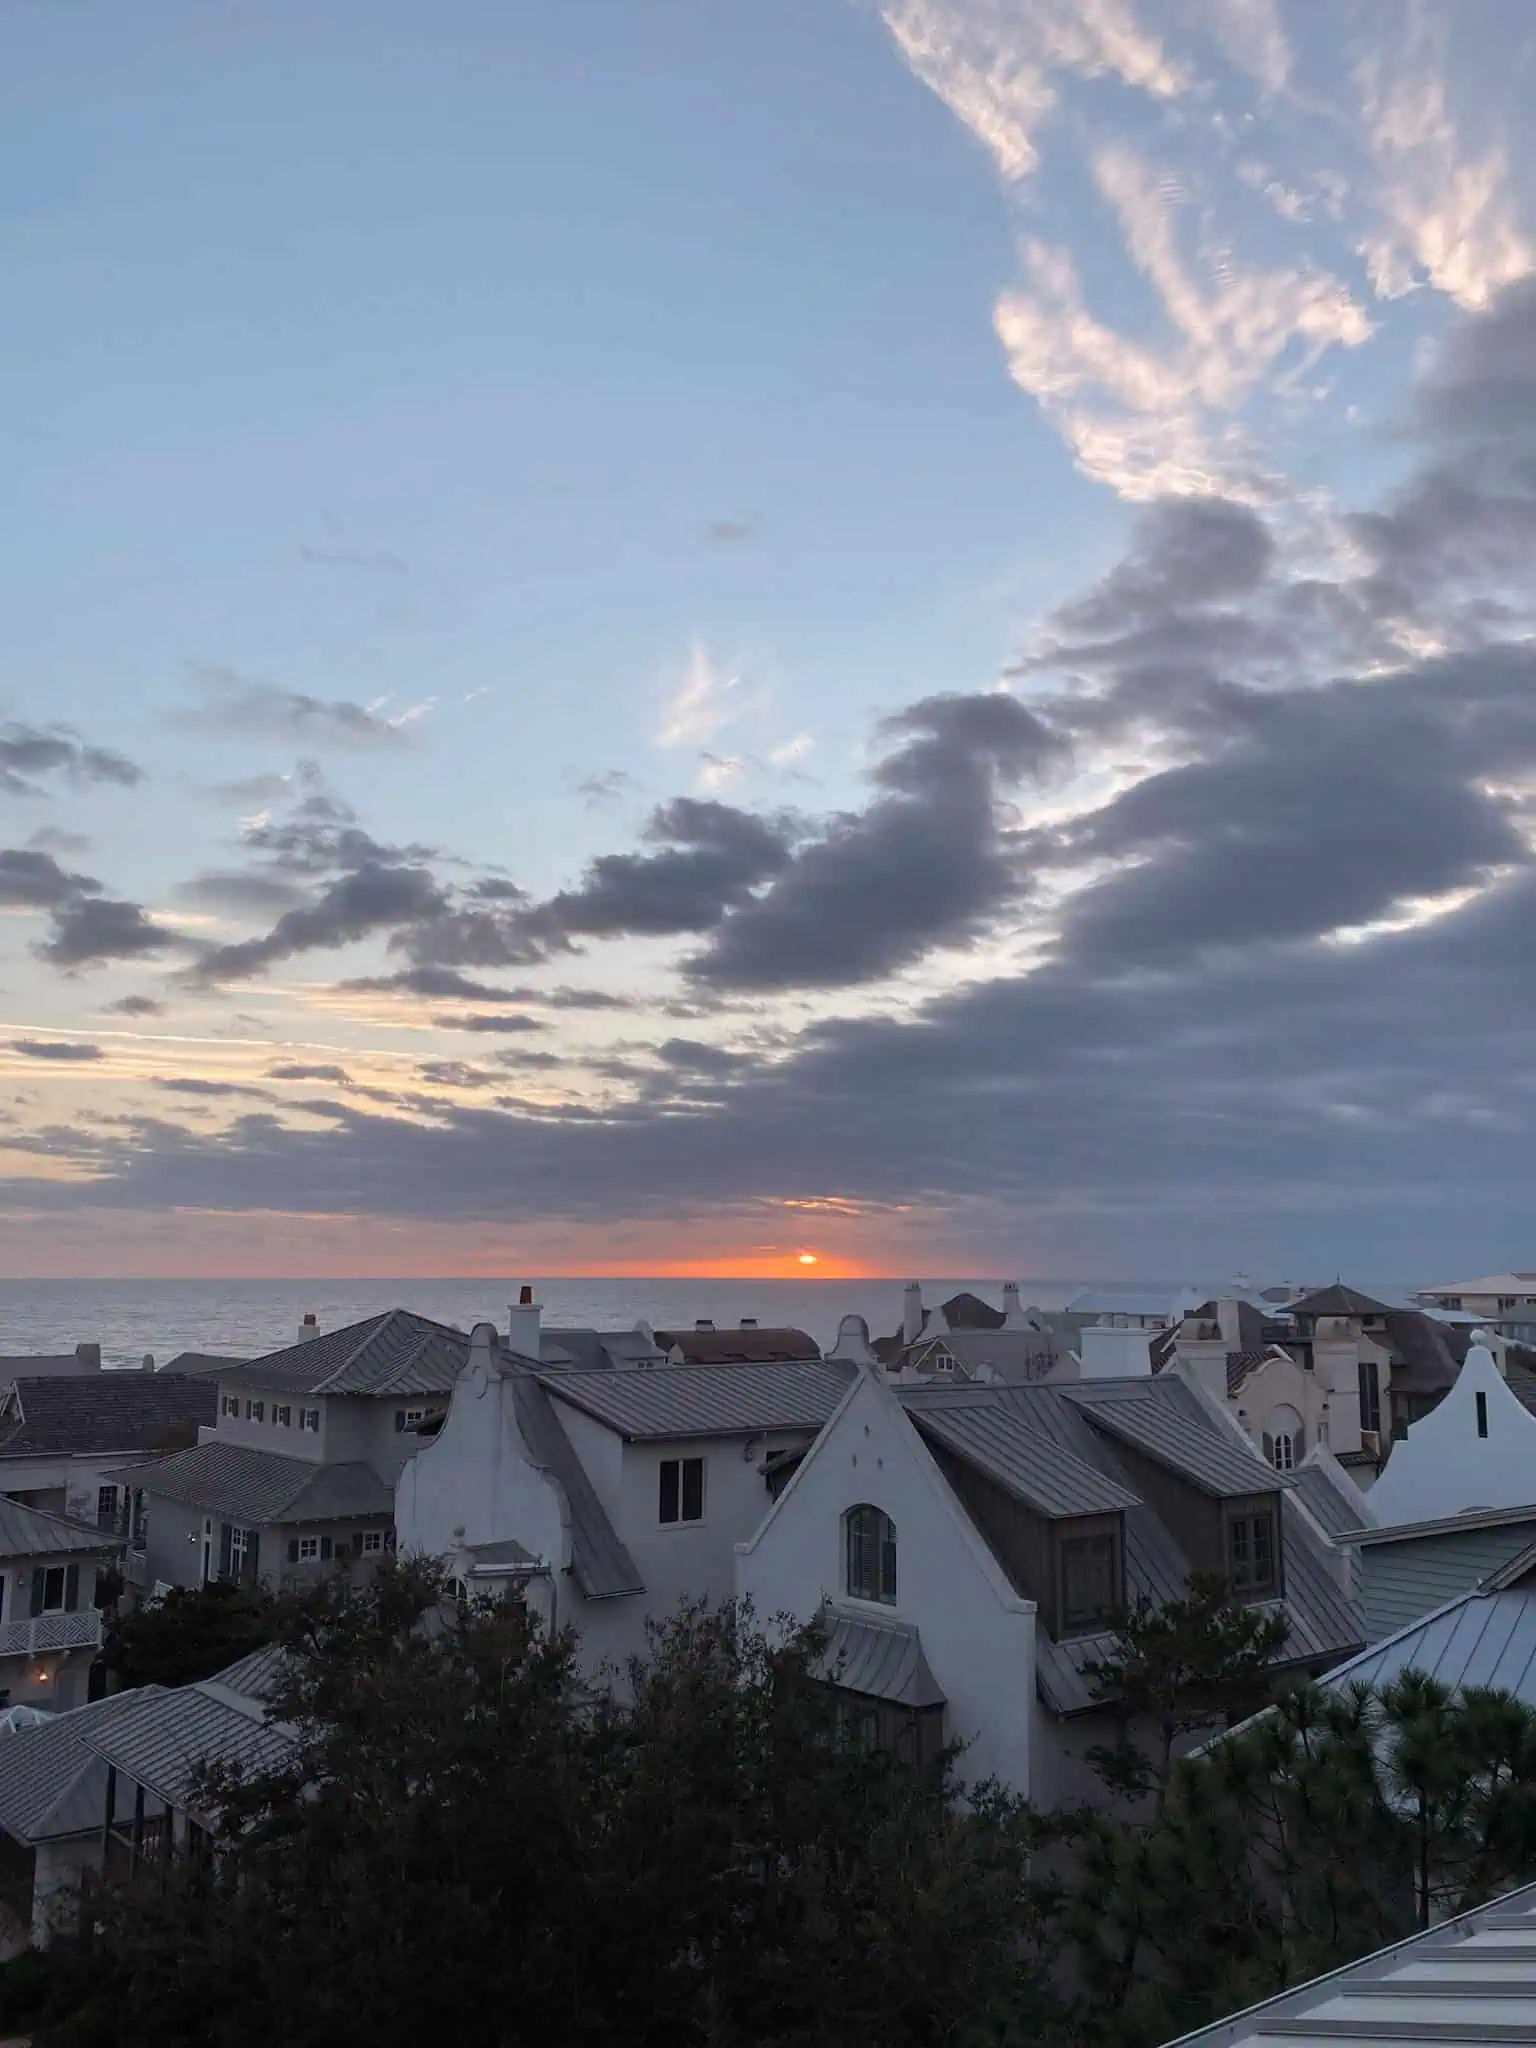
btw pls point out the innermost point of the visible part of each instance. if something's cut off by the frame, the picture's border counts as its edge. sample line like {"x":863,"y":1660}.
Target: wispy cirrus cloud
{"x":233,"y":705}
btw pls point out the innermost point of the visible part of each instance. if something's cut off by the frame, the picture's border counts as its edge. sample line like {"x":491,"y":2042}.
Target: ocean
{"x":246,"y":1318}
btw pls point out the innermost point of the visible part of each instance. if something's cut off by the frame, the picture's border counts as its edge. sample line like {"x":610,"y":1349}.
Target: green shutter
{"x":225,"y":1534}
{"x":72,"y":1589}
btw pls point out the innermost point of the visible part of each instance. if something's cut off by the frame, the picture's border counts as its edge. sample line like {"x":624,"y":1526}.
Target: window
{"x":682,"y":1490}
{"x":255,"y":1411}
{"x":106,"y":1507}
{"x":308,"y":1547}
{"x":1506,"y":1301}
{"x":1450,"y":1301}
{"x":1251,"y":1552}
{"x":407,"y":1418}
{"x":871,"y":1559}
{"x":229,"y":1404}
{"x":371,"y":1542}
{"x":309,"y":1418}
{"x":56,"y":1589}
{"x":239,"y":1550}
{"x":1370,"y":1394}
{"x":282,"y":1416}
{"x":1283,"y":1451}
{"x":1090,"y":1580}
{"x":1482,"y":1414}
{"x":1285,"y":1441}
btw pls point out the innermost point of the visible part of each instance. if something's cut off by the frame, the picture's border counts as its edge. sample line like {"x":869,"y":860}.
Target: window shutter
{"x":37,"y":1591}
{"x":1301,"y":1445}
{"x":293,"y":1549}
{"x":1269,"y":1448}
{"x":399,"y":1419}
{"x":225,"y":1533}
{"x":325,"y":1546}
{"x":72,"y":1589}
{"x":252,"y":1557}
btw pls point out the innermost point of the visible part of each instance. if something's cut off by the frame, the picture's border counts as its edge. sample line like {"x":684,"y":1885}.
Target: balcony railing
{"x":78,"y":1631}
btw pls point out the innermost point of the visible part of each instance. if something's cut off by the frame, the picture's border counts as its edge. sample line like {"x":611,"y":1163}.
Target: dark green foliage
{"x":192,"y":1633}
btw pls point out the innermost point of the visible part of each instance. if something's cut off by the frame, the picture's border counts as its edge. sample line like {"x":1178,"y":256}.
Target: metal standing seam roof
{"x":162,"y":1738}
{"x":1041,"y":1474}
{"x":742,"y":1344}
{"x":33,"y":1532}
{"x":602,"y":1566}
{"x":1480,"y":1639}
{"x":1334,"y":1510}
{"x":708,"y":1400}
{"x":883,"y":1660}
{"x":1471,"y":1980}
{"x":257,"y":1674}
{"x":103,"y":1412}
{"x":51,"y":1784}
{"x":393,"y":1353}
{"x":1151,"y":1418}
{"x":255,"y":1487}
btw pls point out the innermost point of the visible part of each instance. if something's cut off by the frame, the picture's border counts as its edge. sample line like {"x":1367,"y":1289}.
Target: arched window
{"x":1285,"y":1441}
{"x":871,"y":1554}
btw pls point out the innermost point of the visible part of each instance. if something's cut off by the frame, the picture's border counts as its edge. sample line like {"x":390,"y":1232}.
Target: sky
{"x":830,"y":638}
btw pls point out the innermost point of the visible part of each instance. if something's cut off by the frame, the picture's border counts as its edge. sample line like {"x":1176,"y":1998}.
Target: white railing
{"x":79,"y":1631}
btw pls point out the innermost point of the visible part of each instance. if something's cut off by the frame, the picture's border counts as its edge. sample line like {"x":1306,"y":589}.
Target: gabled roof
{"x":750,"y":1344}
{"x":1157,"y":1423}
{"x":163,"y":1737}
{"x":1000,"y":1443}
{"x":32,"y":1532}
{"x":202,"y":1361}
{"x":393,"y":1353}
{"x":883,"y":1660}
{"x":50,"y":1783}
{"x":1470,"y":1980}
{"x":602,"y":1566}
{"x":255,"y":1487}
{"x":257,"y":1674}
{"x":103,"y":1412}
{"x":707,"y":1400}
{"x":1338,"y":1300}
{"x":1334,"y":1508}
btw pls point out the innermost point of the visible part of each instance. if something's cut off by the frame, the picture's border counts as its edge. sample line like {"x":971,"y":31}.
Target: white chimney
{"x":524,"y":1320}
{"x":912,"y":1312}
{"x":310,"y":1327}
{"x":1013,"y":1314}
{"x":148,"y":1362}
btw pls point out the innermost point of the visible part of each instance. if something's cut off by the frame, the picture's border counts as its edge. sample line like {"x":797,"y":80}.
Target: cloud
{"x":371,"y":898}
{"x":137,"y":1006}
{"x":189,"y":1084}
{"x":925,"y":865}
{"x":455,"y":1074}
{"x":28,"y":751}
{"x":605,"y":787}
{"x":292,"y":1070}
{"x":35,"y":881}
{"x":88,"y":930}
{"x":55,"y":839}
{"x":701,"y":704}
{"x":240,"y":891}
{"x":65,"y":1051}
{"x":438,"y":982}
{"x":245,"y":707}
{"x":508,"y":1025}
{"x":360,"y":561}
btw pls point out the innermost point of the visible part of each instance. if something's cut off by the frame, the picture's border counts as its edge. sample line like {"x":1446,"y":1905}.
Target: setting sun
{"x":807,"y":1258}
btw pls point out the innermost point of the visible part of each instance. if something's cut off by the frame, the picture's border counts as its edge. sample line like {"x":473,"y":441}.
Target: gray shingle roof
{"x":708,"y":1400}
{"x":509,"y":1551}
{"x":602,"y":1565}
{"x":50,"y":1783}
{"x":732,"y":1344}
{"x":1338,"y":1300}
{"x":161,"y":1738}
{"x":882,"y":1659}
{"x":1001,"y":1443}
{"x":31,"y":1532}
{"x":393,"y":1353}
{"x":1155,"y":1417}
{"x":103,"y":1411}
{"x":255,"y":1487}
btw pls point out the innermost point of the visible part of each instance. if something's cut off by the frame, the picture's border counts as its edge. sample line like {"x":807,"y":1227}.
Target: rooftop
{"x":202,"y":1361}
{"x":257,"y":1487}
{"x":102,"y":1412}
{"x":707,"y":1400}
{"x":393,"y":1353}
{"x":739,"y":1344}
{"x":1339,"y":1300}
{"x":1471,"y":1980}
{"x":163,"y":1737}
{"x":32,"y":1532}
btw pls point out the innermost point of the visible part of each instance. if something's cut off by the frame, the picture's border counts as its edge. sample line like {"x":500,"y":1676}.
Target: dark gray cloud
{"x":35,"y":881}
{"x":137,"y":1006}
{"x":191,"y":1084}
{"x":295,"y":1070}
{"x":1186,"y":551}
{"x":456,"y":1074}
{"x":237,"y":706}
{"x":241,"y":892}
{"x":69,"y":1052}
{"x":88,"y":930}
{"x":927,"y":864}
{"x":56,"y":839}
{"x":435,"y":983}
{"x":506,"y":1026}
{"x":369,"y":899}
{"x":28,"y":751}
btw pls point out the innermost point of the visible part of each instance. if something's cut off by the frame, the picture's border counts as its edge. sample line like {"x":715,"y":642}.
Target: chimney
{"x":88,"y":1357}
{"x":148,"y":1363}
{"x":703,"y":1323}
{"x":524,"y":1321}
{"x":749,"y":1322}
{"x":309,"y":1327}
{"x":1013,"y":1314}
{"x":912,"y":1312}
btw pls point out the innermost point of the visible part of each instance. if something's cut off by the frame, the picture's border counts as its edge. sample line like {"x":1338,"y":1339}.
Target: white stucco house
{"x":1475,"y":1451}
{"x":1002,"y":1528}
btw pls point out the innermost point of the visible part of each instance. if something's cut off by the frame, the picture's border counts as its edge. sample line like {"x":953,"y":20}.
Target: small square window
{"x":371,"y":1542}
{"x":309,"y":1418}
{"x":52,"y":1590}
{"x":682,"y":1491}
{"x":282,"y":1416}
{"x":255,"y":1411}
{"x":309,"y":1547}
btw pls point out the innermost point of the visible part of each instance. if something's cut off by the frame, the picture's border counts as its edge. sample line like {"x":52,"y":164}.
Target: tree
{"x":470,"y":1844}
{"x":192,"y":1633}
{"x":1204,"y":1661}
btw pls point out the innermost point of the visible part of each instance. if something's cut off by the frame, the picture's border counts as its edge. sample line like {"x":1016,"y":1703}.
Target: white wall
{"x":1112,"y":1352}
{"x":977,"y":1634}
{"x":695,"y":1560}
{"x":1443,"y":1467}
{"x":268,"y":1435}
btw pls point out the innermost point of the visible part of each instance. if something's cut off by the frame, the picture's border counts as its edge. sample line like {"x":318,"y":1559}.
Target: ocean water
{"x":248,"y":1317}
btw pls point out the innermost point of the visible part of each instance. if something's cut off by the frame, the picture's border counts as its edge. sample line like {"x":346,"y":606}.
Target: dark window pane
{"x":693,"y":1489}
{"x":669,"y":1490}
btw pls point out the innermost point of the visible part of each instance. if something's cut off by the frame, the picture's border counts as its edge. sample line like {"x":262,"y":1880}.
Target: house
{"x":605,"y":1498}
{"x":587,"y":1350}
{"x":201,"y":1362}
{"x":1002,"y":1528}
{"x":51,"y":1574}
{"x":1475,"y":1450}
{"x":1505,"y":1302}
{"x":967,"y":1338}
{"x":1413,"y":1568}
{"x":1471,"y":1980}
{"x":93,"y":1792}
{"x":294,"y":1469}
{"x":50,"y":1365}
{"x":66,"y":1442}
{"x":743,"y":1343}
